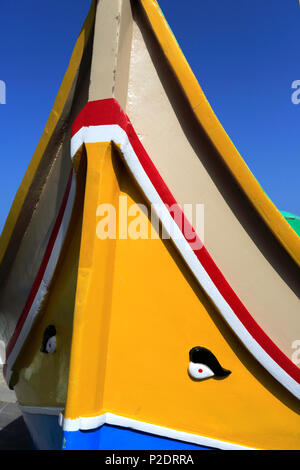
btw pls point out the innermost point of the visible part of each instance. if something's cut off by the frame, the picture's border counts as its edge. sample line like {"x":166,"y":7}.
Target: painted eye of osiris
{"x":49,"y":340}
{"x":203,"y":364}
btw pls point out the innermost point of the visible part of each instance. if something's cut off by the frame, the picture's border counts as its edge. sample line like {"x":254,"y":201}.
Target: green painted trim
{"x":293,"y":220}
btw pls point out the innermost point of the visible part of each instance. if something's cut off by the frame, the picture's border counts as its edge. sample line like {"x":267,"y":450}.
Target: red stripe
{"x":41,"y":271}
{"x":109,"y":112}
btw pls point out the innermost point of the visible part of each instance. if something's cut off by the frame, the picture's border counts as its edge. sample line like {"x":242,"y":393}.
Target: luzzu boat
{"x":183,"y":338}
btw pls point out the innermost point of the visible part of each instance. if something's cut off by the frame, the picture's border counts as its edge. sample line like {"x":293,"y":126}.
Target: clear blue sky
{"x":245,"y":54}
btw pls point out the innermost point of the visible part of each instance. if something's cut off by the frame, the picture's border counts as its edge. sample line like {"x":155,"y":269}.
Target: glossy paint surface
{"x":151,"y":315}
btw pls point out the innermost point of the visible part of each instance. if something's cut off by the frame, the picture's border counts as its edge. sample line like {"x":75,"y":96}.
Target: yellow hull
{"x":127,"y":309}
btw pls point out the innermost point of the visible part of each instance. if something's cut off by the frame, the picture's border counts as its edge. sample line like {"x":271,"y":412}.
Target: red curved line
{"x":41,"y":271}
{"x":109,"y":112}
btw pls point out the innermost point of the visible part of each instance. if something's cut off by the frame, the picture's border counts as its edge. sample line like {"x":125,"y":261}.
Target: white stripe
{"x":116,"y":420}
{"x":43,"y":288}
{"x":115,"y":133}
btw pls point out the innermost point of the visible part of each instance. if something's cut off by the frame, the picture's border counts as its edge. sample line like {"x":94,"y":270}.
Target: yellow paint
{"x":138,"y":309}
{"x":41,"y":379}
{"x":138,"y":312}
{"x":53,"y":120}
{"x":208,"y":120}
{"x":93,"y":298}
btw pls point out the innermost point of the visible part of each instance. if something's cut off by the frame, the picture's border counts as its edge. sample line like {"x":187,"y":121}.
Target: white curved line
{"x":90,"y":423}
{"x":44,"y":285}
{"x":114,"y":133}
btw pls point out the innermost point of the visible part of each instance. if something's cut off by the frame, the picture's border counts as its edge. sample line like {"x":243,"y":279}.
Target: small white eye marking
{"x":49,"y":340}
{"x":204,"y":364}
{"x":51,"y":345}
{"x":200,"y":371}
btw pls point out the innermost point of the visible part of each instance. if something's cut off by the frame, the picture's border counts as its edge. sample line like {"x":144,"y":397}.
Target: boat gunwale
{"x":207,"y":119}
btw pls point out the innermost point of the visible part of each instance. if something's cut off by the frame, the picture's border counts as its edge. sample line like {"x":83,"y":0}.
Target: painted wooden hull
{"x":130,"y":128}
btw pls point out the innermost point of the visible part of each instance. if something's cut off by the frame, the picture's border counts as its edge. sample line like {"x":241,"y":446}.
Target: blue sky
{"x":245,"y":54}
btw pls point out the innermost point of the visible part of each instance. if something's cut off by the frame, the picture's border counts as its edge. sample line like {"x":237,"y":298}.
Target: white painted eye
{"x":51,"y":345}
{"x":200,"y":371}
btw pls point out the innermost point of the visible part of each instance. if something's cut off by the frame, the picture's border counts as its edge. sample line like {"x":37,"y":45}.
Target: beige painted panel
{"x":185,"y":159}
{"x":18,"y":284}
{"x":111,"y":53}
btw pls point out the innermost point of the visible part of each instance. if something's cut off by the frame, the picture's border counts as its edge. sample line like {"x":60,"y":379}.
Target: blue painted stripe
{"x":44,"y":430}
{"x":109,"y":437}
